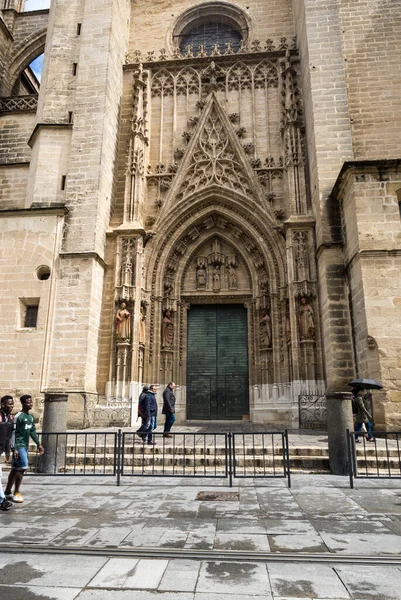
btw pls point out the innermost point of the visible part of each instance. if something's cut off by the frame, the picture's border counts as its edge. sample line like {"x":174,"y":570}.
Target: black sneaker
{"x":5,"y":504}
{"x":151,"y":443}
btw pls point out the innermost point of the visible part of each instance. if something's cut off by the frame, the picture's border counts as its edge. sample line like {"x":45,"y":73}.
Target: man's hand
{"x":41,"y":450}
{"x":15,"y":453}
{"x":8,"y":458}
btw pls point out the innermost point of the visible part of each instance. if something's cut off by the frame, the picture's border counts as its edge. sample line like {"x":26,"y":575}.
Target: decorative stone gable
{"x":214,"y":157}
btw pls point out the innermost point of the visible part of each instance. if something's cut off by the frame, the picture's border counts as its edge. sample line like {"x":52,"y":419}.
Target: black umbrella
{"x":366,"y":384}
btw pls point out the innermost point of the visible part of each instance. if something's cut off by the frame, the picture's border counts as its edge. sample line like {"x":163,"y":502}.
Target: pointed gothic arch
{"x":24,"y":54}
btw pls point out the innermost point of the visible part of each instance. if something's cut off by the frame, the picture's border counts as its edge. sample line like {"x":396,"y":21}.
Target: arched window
{"x":208,"y":34}
{"x":211,"y":23}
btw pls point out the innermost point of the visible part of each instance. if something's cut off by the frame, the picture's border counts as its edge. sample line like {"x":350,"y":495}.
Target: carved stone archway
{"x":212,"y":234}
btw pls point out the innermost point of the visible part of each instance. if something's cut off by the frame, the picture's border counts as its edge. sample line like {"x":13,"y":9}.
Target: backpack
{"x":6,"y":429}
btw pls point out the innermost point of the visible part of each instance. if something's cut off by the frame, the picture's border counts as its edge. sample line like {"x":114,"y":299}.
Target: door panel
{"x":217,"y":362}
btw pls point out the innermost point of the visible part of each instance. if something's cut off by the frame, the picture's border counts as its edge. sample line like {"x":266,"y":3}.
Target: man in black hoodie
{"x":148,"y":410}
{"x":6,"y":431}
{"x":169,"y":408}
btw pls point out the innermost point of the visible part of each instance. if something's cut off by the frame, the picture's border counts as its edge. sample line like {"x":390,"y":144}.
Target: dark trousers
{"x":148,"y":425}
{"x":169,"y":422}
{"x":358,"y":427}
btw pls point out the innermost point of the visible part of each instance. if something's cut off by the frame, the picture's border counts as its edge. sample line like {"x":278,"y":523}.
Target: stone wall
{"x":13,"y":184}
{"x":371,"y":35}
{"x":372,"y":233}
{"x":26,"y":243}
{"x":329,"y":143}
{"x":15,"y":131}
{"x":152,"y":24}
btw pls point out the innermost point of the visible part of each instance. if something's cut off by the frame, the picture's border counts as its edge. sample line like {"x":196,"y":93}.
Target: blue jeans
{"x":169,"y":422}
{"x":147,"y":427}
{"x":358,"y":427}
{"x":20,"y":463}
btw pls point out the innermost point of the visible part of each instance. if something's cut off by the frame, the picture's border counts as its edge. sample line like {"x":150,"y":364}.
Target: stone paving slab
{"x":319,"y":514}
{"x":133,"y":579}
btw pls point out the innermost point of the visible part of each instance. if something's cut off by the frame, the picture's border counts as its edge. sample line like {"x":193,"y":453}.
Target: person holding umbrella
{"x":363,"y":417}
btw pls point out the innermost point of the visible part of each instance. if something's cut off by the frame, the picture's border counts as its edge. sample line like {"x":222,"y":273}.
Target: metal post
{"x":54,"y":420}
{"x":119,"y":466}
{"x":287,"y":452}
{"x":339,"y":419}
{"x":350,"y":468}
{"x":230,"y":458}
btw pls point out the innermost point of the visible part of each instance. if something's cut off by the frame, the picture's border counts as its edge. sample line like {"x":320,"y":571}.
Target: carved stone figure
{"x":265,"y":329}
{"x":306,"y":321}
{"x":288,"y":327}
{"x":232,"y":278}
{"x":167,"y":331}
{"x":142,"y":325}
{"x":201,"y":278}
{"x":123,"y":323}
{"x":216,"y":279}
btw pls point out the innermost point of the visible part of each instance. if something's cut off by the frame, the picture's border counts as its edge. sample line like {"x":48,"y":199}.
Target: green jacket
{"x":361,"y":412}
{"x":24,"y":428}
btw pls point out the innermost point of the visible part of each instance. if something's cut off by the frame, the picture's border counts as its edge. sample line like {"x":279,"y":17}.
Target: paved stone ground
{"x":319,"y":515}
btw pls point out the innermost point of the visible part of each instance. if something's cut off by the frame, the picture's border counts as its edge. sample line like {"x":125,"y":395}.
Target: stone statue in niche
{"x":232,"y":278}
{"x":288,"y":326}
{"x":265,"y":329}
{"x":123,"y":323}
{"x":201,"y":278}
{"x":201,"y":273}
{"x":231,"y":264}
{"x":142,"y":325}
{"x":301,"y":255}
{"x":167,"y":331}
{"x":216,"y":279}
{"x":306,"y":320}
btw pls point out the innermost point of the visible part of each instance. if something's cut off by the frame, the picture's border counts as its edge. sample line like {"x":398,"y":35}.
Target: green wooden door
{"x":217,"y":362}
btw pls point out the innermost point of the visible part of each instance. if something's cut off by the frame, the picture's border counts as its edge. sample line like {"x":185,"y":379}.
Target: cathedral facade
{"x":206,"y":193}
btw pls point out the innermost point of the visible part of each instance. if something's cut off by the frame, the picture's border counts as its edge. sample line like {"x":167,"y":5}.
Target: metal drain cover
{"x":218,"y":496}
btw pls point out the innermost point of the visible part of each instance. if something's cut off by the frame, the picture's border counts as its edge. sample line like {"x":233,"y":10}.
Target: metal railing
{"x":261,"y":455}
{"x":94,"y":453}
{"x":380,"y":458}
{"x":184,"y":454}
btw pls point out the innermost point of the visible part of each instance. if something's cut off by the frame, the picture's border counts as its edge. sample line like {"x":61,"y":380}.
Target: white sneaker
{"x":17,"y":498}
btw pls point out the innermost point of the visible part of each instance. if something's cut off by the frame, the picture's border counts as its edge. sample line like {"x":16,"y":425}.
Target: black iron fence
{"x":379,"y":457}
{"x":68,"y":453}
{"x":184,"y":454}
{"x":261,"y":455}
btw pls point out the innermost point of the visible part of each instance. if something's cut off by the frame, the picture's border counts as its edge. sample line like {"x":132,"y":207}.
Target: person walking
{"x":148,"y":408}
{"x":362,"y":416}
{"x":169,"y":409}
{"x":24,"y":428}
{"x":6,"y":431}
{"x":142,"y":395}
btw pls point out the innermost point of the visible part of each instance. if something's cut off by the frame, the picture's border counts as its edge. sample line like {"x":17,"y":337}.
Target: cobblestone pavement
{"x":152,"y":539}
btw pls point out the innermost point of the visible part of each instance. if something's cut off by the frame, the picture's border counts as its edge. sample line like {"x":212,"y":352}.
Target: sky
{"x":36,"y":4}
{"x":36,"y":66}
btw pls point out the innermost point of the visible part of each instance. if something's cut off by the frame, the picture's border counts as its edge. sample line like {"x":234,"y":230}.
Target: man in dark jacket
{"x":169,"y":408}
{"x":6,"y":431}
{"x":148,"y":410}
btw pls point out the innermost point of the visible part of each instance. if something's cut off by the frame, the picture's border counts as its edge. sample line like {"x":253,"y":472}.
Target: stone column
{"x":54,"y":421}
{"x":339,"y":419}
